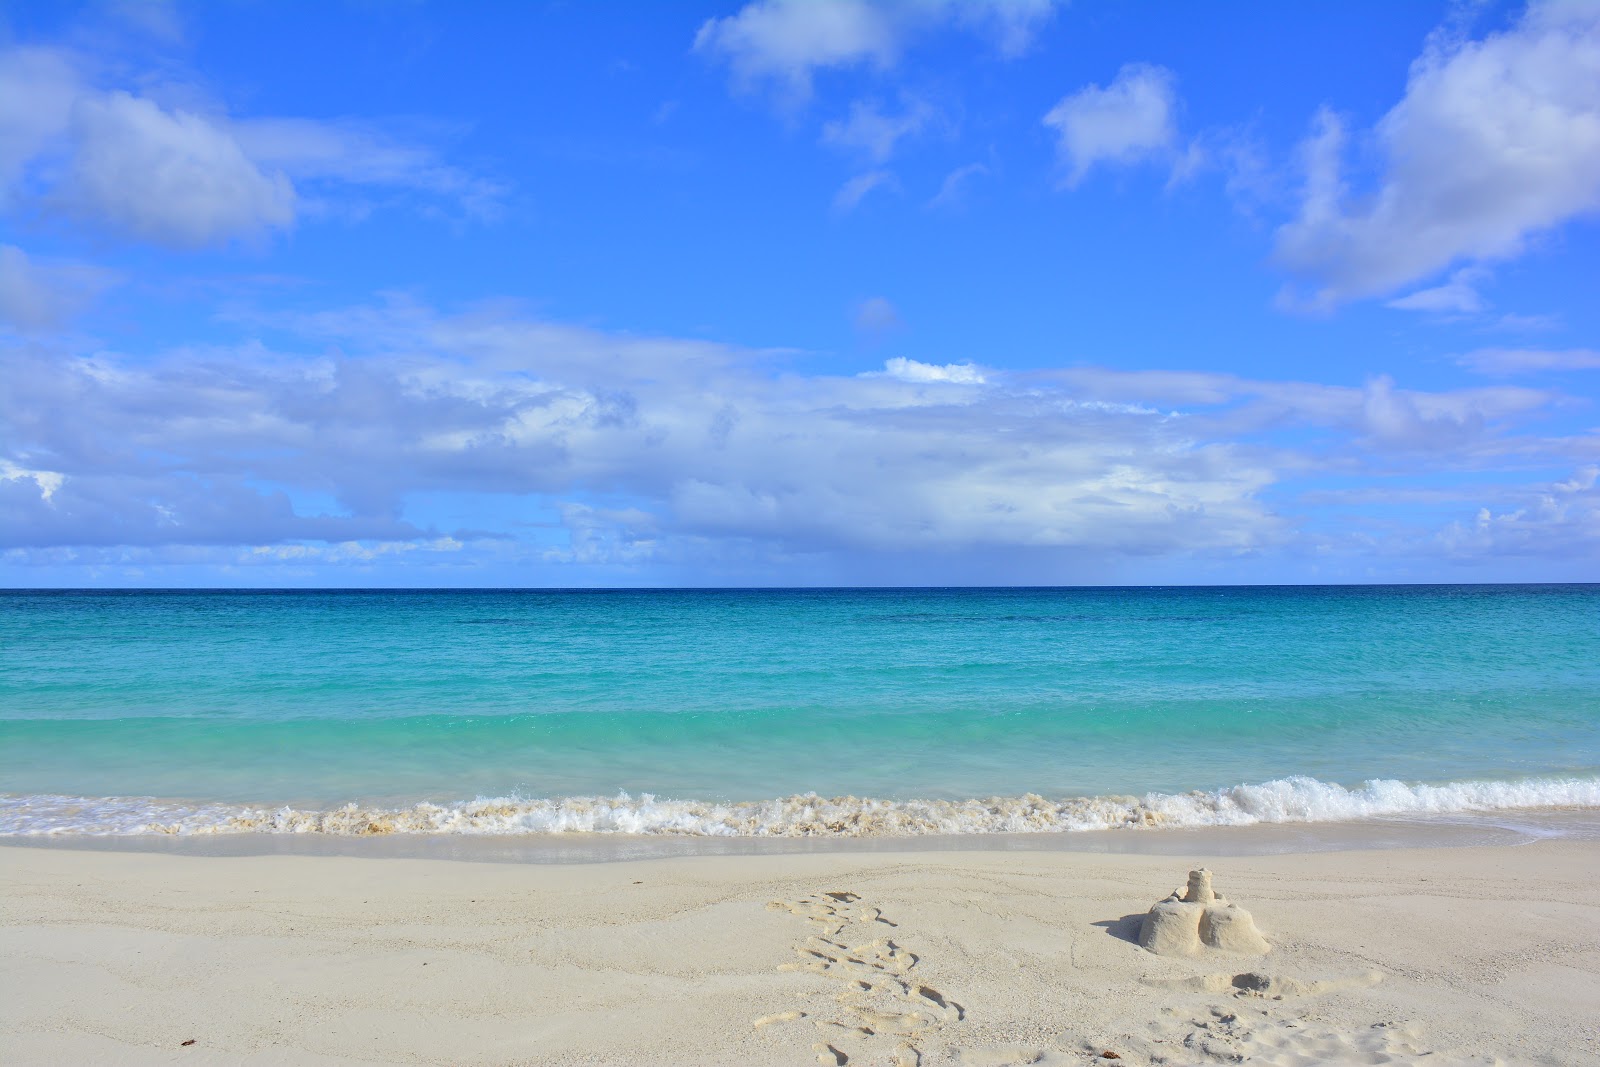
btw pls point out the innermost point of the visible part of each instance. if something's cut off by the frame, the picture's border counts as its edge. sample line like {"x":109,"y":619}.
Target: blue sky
{"x":794,"y":293}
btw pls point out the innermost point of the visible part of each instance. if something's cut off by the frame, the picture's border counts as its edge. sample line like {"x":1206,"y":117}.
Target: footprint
{"x":814,"y":968}
{"x":953,"y":1012}
{"x":886,"y":955}
{"x":829,"y":1056}
{"x":909,"y":1023}
{"x":906,"y":1056}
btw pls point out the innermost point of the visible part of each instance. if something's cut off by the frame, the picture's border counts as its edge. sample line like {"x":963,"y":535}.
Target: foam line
{"x":1286,"y":800}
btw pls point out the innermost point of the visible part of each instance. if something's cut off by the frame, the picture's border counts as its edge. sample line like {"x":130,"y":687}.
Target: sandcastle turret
{"x":1199,"y":889}
{"x":1195,"y":917}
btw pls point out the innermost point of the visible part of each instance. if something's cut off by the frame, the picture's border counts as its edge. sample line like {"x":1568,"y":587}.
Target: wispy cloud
{"x":1510,"y":362}
{"x":874,"y":132}
{"x":1458,"y":296}
{"x":875,"y":317}
{"x":952,"y":190}
{"x":356,"y":155}
{"x":852,"y":192}
{"x":43,"y":294}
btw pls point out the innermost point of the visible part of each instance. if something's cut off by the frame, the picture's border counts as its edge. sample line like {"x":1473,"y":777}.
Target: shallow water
{"x":717,"y":711}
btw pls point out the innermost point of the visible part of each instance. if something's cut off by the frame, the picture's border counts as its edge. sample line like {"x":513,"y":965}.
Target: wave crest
{"x":1285,"y":800}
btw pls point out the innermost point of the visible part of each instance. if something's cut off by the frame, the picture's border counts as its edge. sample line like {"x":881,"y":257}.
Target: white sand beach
{"x":1467,"y":955}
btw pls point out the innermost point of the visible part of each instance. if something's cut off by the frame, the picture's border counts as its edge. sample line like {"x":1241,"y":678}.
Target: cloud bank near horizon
{"x":643,"y":452}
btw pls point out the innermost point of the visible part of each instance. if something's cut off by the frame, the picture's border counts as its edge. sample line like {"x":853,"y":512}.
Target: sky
{"x":798,"y":292}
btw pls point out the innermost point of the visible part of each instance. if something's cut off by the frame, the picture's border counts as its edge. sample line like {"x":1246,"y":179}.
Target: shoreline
{"x":1453,"y":830}
{"x":1291,"y":800}
{"x":1483,"y":954}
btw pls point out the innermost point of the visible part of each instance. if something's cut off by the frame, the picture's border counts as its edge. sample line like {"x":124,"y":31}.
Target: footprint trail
{"x":882,"y":1015}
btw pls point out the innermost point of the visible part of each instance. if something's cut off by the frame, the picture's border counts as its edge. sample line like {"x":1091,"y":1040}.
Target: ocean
{"x":848,"y":712}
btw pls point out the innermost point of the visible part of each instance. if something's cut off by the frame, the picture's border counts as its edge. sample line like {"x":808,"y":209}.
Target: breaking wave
{"x":1286,"y":800}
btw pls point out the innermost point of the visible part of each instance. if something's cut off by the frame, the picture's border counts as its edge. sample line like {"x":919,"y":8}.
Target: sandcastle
{"x":1195,"y":916}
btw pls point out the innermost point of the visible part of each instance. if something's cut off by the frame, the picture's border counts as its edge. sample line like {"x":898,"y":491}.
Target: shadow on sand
{"x":1123,"y":929}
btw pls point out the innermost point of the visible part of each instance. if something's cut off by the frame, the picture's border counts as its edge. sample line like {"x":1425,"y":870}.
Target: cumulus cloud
{"x":785,"y":42}
{"x":37,"y":295}
{"x":1494,"y":141}
{"x":45,"y":483}
{"x":1131,"y":120}
{"x":606,"y":535}
{"x":188,"y":176}
{"x":1560,"y":521}
{"x":910,"y":370}
{"x":169,"y":176}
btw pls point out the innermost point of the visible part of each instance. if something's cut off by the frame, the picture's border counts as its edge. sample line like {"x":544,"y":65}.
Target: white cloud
{"x":700,"y":440}
{"x":1458,"y":296}
{"x":1561,"y":521}
{"x":45,"y":483}
{"x":172,"y":177}
{"x":38,"y":295}
{"x":874,"y":132}
{"x":852,"y":192}
{"x":1011,"y":24}
{"x":189,"y":175}
{"x":910,"y":370}
{"x":785,"y":42}
{"x":1129,"y":121}
{"x":1375,"y":423}
{"x":1495,"y":140}
{"x":606,"y":535}
{"x":654,"y":450}
{"x":1509,"y":362}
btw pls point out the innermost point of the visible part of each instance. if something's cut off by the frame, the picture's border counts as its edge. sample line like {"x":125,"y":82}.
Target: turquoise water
{"x":718,"y":711}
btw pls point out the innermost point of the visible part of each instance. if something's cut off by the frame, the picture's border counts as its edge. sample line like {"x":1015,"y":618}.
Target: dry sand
{"x":1430,"y":956}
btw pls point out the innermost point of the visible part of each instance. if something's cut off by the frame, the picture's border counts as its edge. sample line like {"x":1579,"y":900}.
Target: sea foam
{"x":1286,"y":800}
